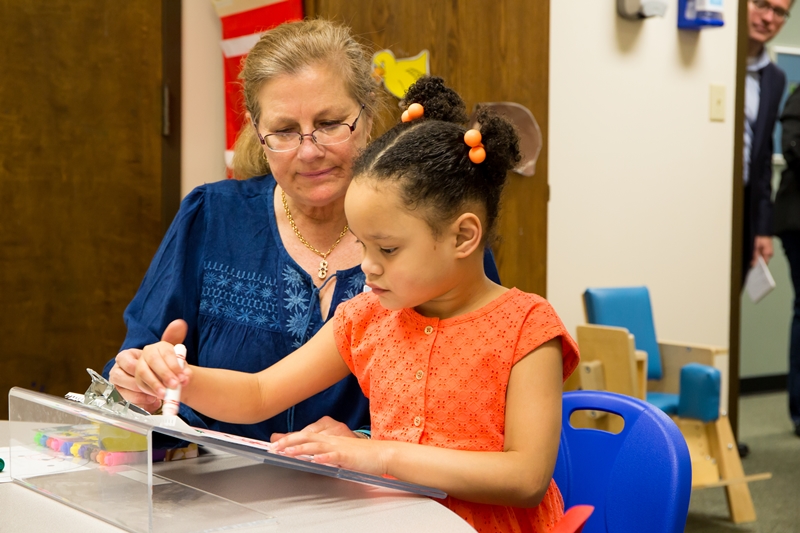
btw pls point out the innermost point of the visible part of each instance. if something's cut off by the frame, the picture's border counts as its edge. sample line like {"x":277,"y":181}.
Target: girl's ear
{"x":468,"y":233}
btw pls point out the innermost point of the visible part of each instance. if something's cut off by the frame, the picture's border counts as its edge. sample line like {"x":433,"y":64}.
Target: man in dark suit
{"x":787,"y":227}
{"x":764,"y":86}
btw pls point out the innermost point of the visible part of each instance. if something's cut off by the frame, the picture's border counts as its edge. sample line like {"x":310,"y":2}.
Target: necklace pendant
{"x":323,"y":269}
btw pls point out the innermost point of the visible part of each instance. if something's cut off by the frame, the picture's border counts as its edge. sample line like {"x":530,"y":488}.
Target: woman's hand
{"x":123,"y":376}
{"x":325,"y":426}
{"x":157,"y":367}
{"x":363,"y":455}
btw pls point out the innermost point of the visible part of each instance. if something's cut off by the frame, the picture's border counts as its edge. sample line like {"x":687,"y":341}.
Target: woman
{"x":257,"y":266}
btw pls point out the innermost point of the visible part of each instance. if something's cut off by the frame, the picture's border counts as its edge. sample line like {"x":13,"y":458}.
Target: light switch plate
{"x":717,"y":103}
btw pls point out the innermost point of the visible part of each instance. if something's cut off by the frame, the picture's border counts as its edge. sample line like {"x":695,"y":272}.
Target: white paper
{"x":759,"y":281}
{"x":30,"y":463}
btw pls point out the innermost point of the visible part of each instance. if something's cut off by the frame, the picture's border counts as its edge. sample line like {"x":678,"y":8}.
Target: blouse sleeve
{"x":171,"y":287}
{"x":542,"y":325}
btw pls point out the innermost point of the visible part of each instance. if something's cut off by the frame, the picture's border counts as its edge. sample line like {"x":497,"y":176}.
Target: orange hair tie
{"x":477,"y":154}
{"x":413,"y":112}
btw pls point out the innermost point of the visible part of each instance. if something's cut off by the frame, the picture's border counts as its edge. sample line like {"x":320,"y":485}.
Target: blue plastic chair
{"x":637,"y":480}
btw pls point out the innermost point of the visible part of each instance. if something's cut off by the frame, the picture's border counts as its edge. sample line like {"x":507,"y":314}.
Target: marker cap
{"x":180,"y":351}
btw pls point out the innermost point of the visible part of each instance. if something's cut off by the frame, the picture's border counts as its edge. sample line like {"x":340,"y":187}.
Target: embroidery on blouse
{"x":240,"y":296}
{"x":355,"y":285}
{"x":257,"y":300}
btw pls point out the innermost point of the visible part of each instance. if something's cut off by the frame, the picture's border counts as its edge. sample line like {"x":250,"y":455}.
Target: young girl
{"x":463,"y":376}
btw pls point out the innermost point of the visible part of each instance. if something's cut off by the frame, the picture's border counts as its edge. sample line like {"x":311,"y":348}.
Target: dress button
{"x":420,"y":373}
{"x":417,"y":420}
{"x":428,"y":330}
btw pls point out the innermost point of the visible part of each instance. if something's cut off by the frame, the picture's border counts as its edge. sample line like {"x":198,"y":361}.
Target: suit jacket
{"x":787,"y":199}
{"x":773,"y":83}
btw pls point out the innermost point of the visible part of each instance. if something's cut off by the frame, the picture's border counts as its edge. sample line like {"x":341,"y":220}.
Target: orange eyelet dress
{"x":443,"y":382}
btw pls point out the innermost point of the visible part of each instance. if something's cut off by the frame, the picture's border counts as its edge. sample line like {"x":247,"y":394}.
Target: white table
{"x":300,"y":501}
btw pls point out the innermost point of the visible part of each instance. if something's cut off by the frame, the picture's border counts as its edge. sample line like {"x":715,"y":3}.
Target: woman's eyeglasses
{"x":325,"y":135}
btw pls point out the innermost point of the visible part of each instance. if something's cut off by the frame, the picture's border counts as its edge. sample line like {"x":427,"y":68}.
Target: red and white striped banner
{"x":243,"y":22}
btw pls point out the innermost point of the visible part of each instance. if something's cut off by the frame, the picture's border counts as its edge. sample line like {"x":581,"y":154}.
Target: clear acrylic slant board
{"x":125,"y":491}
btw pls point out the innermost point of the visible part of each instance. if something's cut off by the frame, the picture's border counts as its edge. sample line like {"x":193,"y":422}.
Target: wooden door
{"x":89,"y":178}
{"x":489,"y":51}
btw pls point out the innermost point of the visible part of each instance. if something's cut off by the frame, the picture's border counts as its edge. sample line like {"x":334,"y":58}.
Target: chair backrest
{"x":629,"y":308}
{"x":614,"y":347}
{"x":637,"y":480}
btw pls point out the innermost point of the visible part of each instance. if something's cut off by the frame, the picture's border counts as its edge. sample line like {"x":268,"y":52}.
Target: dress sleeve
{"x":349,"y":330}
{"x":342,"y":333}
{"x":171,"y":287}
{"x":541,"y":325}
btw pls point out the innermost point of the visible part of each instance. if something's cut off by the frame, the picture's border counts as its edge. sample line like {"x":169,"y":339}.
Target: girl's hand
{"x":157,"y":368}
{"x":368,"y":456}
{"x":122,"y":376}
{"x":325,"y":425}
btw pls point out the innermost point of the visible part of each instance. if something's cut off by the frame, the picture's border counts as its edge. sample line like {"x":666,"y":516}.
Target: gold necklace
{"x":323,"y":265}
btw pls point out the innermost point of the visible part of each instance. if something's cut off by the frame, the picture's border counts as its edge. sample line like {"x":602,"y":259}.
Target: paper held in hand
{"x":759,"y":281}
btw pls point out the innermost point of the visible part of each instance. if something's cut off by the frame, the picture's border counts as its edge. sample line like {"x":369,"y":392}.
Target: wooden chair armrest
{"x":641,"y":374}
{"x":675,"y":356}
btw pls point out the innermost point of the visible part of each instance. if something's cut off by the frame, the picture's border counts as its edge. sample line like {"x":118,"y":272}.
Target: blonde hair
{"x":287,"y":49}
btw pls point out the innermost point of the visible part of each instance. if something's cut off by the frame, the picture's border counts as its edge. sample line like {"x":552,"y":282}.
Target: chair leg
{"x":723,"y":446}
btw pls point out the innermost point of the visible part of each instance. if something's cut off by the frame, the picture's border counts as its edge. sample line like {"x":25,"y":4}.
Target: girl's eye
{"x":388,"y":251}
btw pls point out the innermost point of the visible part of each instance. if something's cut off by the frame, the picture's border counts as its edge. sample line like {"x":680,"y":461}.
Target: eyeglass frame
{"x":263,"y":139}
{"x":783,"y":16}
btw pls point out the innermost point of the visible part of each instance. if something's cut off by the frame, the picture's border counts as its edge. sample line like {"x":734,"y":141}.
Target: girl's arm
{"x":518,"y":476}
{"x":242,"y":398}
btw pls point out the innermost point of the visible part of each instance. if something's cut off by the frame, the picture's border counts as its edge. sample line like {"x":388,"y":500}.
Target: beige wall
{"x":203,"y":126}
{"x":640,"y":178}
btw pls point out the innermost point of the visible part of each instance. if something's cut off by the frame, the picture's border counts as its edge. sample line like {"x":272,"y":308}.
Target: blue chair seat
{"x":664,"y":401}
{"x":638,"y":480}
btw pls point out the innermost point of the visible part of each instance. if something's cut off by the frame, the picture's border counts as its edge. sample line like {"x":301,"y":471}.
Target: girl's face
{"x":405,"y":265}
{"x":313,"y":174}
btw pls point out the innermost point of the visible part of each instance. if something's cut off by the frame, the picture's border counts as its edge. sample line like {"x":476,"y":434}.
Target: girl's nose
{"x":370,"y":267}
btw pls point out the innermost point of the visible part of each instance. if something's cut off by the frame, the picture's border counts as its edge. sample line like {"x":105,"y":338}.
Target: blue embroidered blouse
{"x":223,"y":268}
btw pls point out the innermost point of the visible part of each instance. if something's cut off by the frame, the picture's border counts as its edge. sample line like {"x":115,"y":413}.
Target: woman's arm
{"x":517,"y":476}
{"x":242,"y":398}
{"x":170,"y":288}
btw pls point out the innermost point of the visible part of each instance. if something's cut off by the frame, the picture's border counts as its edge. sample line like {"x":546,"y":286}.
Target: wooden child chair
{"x":620,"y":353}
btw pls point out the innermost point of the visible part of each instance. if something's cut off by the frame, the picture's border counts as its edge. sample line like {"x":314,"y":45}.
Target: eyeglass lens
{"x":764,"y":5}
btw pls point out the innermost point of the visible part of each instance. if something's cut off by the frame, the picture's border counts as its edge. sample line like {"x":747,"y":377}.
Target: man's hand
{"x":762,"y":247}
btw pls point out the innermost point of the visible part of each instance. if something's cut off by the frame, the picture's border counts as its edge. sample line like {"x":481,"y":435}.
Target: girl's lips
{"x":377,"y":291}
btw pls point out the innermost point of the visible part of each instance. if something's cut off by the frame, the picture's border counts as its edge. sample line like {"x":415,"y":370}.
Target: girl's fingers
{"x":153,"y":374}
{"x":147,"y":381}
{"x":296,"y":439}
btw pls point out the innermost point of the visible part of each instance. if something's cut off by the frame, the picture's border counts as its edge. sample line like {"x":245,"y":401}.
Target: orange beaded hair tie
{"x":476,"y":152}
{"x":413,"y":112}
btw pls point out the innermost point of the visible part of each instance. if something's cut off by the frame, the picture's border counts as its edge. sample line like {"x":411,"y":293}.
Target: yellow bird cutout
{"x":399,"y":74}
